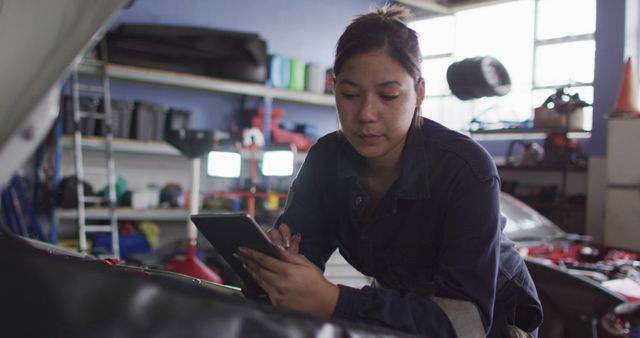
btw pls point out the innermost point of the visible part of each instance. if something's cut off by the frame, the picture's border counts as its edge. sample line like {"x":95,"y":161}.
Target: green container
{"x":296,"y":75}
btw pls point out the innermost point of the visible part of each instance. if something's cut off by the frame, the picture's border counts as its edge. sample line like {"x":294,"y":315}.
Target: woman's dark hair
{"x":382,"y":30}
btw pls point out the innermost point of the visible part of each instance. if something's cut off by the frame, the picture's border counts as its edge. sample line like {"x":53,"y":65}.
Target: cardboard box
{"x":548,"y":118}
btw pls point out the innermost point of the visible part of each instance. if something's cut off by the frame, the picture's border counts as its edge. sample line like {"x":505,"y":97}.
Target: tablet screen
{"x":229,"y":231}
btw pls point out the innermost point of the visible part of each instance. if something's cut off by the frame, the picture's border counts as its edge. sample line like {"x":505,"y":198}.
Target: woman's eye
{"x":389,"y":97}
{"x":349,"y":95}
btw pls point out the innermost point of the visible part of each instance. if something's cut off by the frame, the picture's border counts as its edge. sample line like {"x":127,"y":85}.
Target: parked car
{"x":579,"y":282}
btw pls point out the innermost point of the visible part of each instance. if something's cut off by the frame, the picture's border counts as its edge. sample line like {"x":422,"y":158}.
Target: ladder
{"x":104,"y":89}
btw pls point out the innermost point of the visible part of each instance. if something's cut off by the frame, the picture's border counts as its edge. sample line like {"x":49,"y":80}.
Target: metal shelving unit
{"x":129,"y":146}
{"x":175,"y":79}
{"x":560,"y":210}
{"x":159,"y":148}
{"x":125,"y":146}
{"x":128,"y":214}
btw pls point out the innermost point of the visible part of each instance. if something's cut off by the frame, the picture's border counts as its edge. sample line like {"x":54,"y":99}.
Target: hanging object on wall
{"x":627,"y":102}
{"x":476,"y":77}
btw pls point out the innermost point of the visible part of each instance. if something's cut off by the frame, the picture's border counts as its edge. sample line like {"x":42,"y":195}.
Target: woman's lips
{"x":369,"y":139}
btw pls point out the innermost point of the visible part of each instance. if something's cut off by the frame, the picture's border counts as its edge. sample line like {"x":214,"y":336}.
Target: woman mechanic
{"x":405,"y":200}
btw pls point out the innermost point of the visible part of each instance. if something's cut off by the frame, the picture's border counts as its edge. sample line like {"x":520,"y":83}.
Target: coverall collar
{"x":413,"y":183}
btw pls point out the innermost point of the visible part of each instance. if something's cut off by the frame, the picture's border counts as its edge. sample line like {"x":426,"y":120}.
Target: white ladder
{"x":105,"y":117}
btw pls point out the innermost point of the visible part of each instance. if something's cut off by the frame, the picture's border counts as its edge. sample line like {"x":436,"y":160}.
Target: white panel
{"x":596,"y":187}
{"x":622,"y":218}
{"x":623,"y":152}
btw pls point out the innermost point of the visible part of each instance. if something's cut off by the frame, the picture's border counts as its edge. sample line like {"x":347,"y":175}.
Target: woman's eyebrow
{"x":347,"y":82}
{"x":389,"y":83}
{"x":382,"y":84}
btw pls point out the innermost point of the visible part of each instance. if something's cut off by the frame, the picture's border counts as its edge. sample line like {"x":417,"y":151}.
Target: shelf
{"x":129,"y":146}
{"x":184,"y":80}
{"x":96,"y":143}
{"x":541,"y":168}
{"x":127,"y":214}
{"x":525,"y":133}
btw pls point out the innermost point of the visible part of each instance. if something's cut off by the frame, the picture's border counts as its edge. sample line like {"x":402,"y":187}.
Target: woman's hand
{"x":282,"y":237}
{"x":292,"y":281}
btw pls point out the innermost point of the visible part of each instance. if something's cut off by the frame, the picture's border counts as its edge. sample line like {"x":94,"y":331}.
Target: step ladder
{"x":104,"y":89}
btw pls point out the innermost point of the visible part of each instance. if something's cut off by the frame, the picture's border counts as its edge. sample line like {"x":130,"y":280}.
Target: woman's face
{"x":376,"y":100}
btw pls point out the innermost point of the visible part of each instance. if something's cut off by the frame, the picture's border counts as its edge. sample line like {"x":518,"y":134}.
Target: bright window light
{"x":223,"y":164}
{"x":565,"y":63}
{"x":558,"y":18}
{"x":568,"y":59}
{"x":277,"y":163}
{"x":436,"y":83}
{"x":436,"y":36}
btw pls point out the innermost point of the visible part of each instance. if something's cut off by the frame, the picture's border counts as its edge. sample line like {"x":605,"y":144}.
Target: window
{"x":544,"y":44}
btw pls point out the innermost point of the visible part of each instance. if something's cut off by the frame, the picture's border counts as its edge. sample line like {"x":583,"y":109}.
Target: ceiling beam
{"x":428,"y":5}
{"x":449,"y":7}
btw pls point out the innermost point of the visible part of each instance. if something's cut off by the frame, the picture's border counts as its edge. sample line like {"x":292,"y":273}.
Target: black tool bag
{"x":202,"y":51}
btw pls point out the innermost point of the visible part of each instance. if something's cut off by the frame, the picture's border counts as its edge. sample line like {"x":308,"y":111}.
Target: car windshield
{"x":524,"y":223}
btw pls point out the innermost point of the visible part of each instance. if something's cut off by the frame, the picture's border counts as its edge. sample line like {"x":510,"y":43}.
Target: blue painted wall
{"x":609,"y":60}
{"x":303,"y":29}
{"x":308,"y":30}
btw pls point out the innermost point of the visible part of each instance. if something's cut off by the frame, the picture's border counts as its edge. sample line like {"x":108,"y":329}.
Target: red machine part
{"x":279,"y":135}
{"x":190,"y":265}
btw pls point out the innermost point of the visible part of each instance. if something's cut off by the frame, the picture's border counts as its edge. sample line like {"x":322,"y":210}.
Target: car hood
{"x":39,"y":41}
{"x":541,"y":241}
{"x":615,"y":269}
{"x":78,"y":296}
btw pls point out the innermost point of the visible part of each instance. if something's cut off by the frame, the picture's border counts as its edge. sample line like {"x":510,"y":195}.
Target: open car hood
{"x":39,"y":41}
{"x":46,"y":293}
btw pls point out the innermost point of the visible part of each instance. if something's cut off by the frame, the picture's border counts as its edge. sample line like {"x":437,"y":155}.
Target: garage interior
{"x":219,"y":102}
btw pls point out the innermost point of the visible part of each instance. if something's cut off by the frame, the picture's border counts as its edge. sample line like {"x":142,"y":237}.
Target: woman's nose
{"x":367,"y":111}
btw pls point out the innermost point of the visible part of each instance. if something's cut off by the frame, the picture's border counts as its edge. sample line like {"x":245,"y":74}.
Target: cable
{"x":55,"y":178}
{"x":7,"y":211}
{"x":27,"y":206}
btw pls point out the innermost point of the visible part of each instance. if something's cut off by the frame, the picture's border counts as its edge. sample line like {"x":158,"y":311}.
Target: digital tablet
{"x":229,"y":231}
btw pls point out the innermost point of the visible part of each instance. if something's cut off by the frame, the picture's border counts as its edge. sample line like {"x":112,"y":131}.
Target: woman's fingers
{"x":261,"y":262}
{"x":264,"y":277}
{"x":282,"y":236}
{"x":295,"y":243}
{"x":276,"y":237}
{"x":266,"y":262}
{"x":285,"y":232}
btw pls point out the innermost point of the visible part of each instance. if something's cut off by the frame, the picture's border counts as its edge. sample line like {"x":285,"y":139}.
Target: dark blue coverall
{"x":436,"y":232}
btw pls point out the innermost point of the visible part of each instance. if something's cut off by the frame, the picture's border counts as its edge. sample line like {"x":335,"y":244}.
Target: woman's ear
{"x":420,"y":92}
